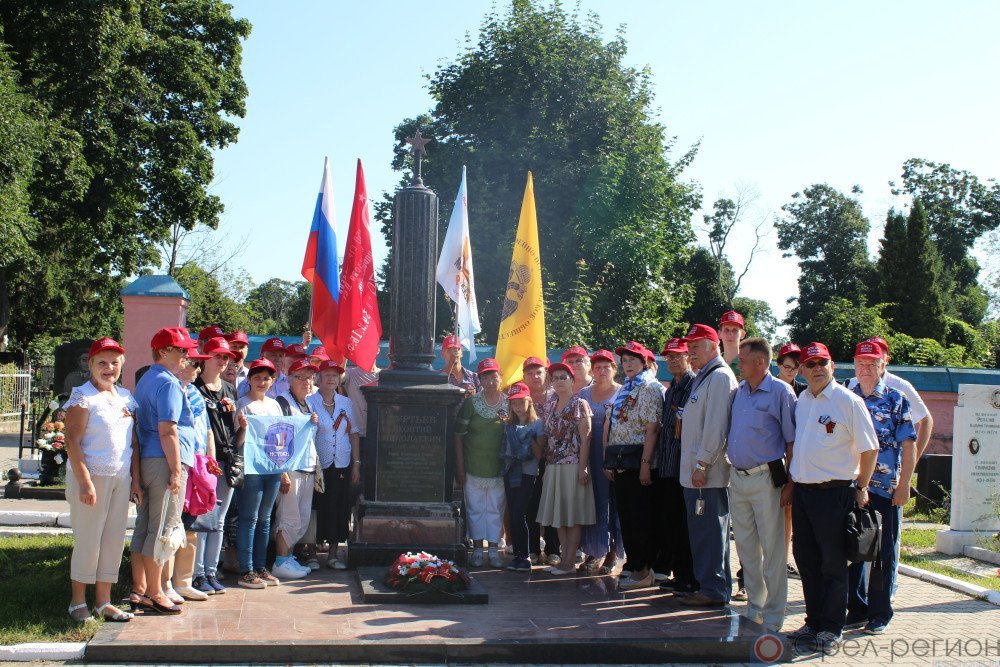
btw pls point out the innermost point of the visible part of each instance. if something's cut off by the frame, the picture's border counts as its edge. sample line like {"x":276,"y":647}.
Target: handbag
{"x":623,"y":457}
{"x":863,"y":534}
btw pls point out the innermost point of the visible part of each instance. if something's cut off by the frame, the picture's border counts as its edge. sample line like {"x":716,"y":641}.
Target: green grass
{"x":35,"y":591}
{"x":917,"y":550}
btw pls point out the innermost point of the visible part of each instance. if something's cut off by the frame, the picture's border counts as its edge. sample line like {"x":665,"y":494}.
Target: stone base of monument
{"x":953,"y":542}
{"x":375,"y":591}
{"x":384,"y":530}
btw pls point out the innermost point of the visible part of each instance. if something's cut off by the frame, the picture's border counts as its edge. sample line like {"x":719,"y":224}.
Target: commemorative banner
{"x":277,"y":444}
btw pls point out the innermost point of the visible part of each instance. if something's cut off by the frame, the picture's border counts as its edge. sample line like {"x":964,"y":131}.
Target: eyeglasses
{"x":816,"y":362}
{"x":556,"y":378}
{"x":787,"y":367}
{"x":303,"y":378}
{"x":575,"y":362}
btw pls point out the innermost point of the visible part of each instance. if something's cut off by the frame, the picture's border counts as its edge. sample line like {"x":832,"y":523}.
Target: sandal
{"x":139,"y":601}
{"x":163,"y":609}
{"x":118,"y":616}
{"x":590,"y":565}
{"x":78,"y":616}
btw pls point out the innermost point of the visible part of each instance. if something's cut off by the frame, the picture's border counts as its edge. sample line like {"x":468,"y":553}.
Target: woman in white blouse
{"x":101,"y":477}
{"x":339,"y":452}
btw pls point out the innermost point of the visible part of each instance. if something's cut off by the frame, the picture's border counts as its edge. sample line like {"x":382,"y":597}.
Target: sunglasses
{"x":560,"y":377}
{"x":816,"y":362}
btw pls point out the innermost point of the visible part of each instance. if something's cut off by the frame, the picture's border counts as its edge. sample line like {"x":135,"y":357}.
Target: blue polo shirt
{"x":762,"y":422}
{"x":161,"y":398}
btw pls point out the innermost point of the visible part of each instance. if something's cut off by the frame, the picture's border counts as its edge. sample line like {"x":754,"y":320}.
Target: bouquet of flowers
{"x":52,"y":442}
{"x":423,"y":572}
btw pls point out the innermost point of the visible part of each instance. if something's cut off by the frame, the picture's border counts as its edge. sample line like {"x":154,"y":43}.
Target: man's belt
{"x":750,"y":471}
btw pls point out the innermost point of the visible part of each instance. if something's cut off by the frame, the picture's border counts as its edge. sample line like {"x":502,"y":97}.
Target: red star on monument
{"x":417,"y":144}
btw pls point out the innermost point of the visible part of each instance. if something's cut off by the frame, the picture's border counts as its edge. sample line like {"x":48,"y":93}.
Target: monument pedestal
{"x":408,"y":477}
{"x":975,"y":469}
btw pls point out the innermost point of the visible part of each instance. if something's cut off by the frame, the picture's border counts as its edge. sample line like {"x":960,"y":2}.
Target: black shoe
{"x":855,"y":622}
{"x":668,"y":584}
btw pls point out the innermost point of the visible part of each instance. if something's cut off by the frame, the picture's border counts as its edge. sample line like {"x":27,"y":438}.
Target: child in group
{"x":521,"y":451}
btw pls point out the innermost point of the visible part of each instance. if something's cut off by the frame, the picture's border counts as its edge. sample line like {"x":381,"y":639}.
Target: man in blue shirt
{"x":888,"y":490}
{"x":761,"y":432}
{"x":165,"y":429}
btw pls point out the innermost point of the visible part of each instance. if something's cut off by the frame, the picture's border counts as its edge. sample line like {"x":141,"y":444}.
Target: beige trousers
{"x":98,"y":530}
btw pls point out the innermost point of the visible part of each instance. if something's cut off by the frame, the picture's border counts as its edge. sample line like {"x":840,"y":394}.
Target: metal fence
{"x":15,"y":391}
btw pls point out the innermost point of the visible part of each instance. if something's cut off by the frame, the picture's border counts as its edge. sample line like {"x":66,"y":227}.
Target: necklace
{"x":329,"y":405}
{"x":494,"y":404}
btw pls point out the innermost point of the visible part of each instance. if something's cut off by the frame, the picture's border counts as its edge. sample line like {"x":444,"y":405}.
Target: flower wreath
{"x":423,"y":572}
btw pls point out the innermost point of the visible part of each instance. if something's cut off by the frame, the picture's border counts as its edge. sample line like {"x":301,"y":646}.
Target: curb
{"x":50,"y":519}
{"x":43,"y":651}
{"x":979,"y":553}
{"x":978,"y":592}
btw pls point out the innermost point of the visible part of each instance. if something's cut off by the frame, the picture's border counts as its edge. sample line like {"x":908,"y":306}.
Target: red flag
{"x":359,"y":327}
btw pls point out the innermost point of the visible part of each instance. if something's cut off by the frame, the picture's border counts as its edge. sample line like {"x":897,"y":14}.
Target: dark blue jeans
{"x":709,"y":535}
{"x":518,"y":498}
{"x":872,"y":602}
{"x":253,"y":529}
{"x":819,"y":519}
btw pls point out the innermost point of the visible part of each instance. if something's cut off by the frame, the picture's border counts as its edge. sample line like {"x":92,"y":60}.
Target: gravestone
{"x":71,"y":367}
{"x":408,"y":454}
{"x":975,"y":468}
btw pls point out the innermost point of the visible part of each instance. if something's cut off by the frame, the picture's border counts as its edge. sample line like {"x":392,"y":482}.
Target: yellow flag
{"x":522,"y":322}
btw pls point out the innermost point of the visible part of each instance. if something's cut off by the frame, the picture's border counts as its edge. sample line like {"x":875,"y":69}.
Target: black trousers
{"x":635,"y":512}
{"x":534,"y":529}
{"x":333,"y":506}
{"x":819,"y":519}
{"x":670,"y":530}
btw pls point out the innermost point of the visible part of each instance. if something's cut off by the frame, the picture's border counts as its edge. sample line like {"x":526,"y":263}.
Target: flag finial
{"x":417,"y":150}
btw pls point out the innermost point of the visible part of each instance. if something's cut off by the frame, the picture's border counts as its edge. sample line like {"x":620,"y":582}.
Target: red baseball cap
{"x":272,"y":345}
{"x":218,"y":345}
{"x":450,"y":342}
{"x":638,"y":349}
{"x":103,"y":345}
{"x":296,"y":350}
{"x":790,"y":349}
{"x":195,"y":355}
{"x":518,"y":390}
{"x":602,"y":355}
{"x":700,"y":331}
{"x":172,"y":337}
{"x":488,"y":365}
{"x":867,"y":349}
{"x":814,"y":351}
{"x":560,"y":366}
{"x":329,"y":365}
{"x":732,"y":317}
{"x":214,"y":331}
{"x":319,"y":352}
{"x":675,"y":346}
{"x":576,"y":350}
{"x":301,"y":364}
{"x":881,"y":342}
{"x":238,"y":337}
{"x":262,"y":365}
{"x":533,"y":361}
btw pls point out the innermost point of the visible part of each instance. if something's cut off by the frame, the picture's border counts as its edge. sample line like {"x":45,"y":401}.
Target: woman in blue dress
{"x":602,"y":542}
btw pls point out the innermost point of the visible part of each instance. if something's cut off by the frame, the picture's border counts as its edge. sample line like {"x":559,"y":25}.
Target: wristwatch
{"x":858,"y":486}
{"x":701,"y":467}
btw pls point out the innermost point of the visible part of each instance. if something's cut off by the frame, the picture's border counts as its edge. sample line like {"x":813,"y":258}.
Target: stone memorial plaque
{"x":412,"y":450}
{"x":976,"y":459}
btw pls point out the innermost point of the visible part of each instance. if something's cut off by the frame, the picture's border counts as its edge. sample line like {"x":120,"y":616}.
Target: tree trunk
{"x":4,"y":309}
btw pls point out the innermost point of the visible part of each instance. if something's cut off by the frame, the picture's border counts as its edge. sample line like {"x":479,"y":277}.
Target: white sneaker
{"x":293,"y":562}
{"x":191,"y":593}
{"x":287,"y":570}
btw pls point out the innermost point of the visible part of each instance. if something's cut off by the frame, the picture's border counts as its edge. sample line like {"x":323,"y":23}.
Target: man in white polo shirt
{"x":832,"y":461}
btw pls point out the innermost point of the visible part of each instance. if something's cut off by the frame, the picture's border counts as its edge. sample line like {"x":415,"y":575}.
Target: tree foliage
{"x":210,"y":304}
{"x":840,"y":323}
{"x":133,"y":96}
{"x":540,"y":90}
{"x":828,"y":231}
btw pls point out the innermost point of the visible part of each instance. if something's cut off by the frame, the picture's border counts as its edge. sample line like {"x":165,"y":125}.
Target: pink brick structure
{"x":151,"y":303}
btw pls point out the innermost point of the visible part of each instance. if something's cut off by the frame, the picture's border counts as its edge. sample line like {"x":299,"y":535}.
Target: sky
{"x":781,"y":95}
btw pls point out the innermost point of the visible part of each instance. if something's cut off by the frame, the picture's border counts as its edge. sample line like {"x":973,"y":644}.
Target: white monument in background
{"x":975,"y":468}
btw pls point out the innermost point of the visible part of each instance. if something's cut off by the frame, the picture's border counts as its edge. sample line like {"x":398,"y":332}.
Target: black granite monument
{"x":409,"y":459}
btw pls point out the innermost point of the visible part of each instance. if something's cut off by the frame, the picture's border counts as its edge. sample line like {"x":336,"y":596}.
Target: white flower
{"x":41,"y":442}
{"x":54,"y":405}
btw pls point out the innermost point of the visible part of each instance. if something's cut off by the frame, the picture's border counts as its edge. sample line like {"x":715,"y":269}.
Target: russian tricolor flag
{"x":319,"y":267}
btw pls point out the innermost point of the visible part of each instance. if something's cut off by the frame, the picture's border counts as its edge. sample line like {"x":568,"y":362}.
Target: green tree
{"x":828,"y":232}
{"x":568,"y":322}
{"x":758,"y":317}
{"x":209,"y":302}
{"x":135,"y":95}
{"x":540,"y":90}
{"x":960,"y":209}
{"x":271,"y":301}
{"x":840,"y":323}
{"x":893,"y":266}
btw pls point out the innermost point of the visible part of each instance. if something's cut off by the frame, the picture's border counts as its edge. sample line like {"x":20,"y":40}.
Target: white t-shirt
{"x":333,"y":445}
{"x":918,"y":409}
{"x":107,"y":440}
{"x":831,"y":432}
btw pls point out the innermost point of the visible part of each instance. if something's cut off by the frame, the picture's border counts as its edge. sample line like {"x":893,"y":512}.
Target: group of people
{"x":585,"y":464}
{"x":659,"y":477}
{"x":188,"y":418}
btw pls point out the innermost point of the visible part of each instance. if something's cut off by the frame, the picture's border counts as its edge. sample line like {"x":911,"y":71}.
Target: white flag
{"x":454,"y":272}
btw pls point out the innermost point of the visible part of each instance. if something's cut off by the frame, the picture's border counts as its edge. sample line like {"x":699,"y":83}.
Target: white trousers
{"x":295,"y":507}
{"x":759,"y":529}
{"x":484,"y":504}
